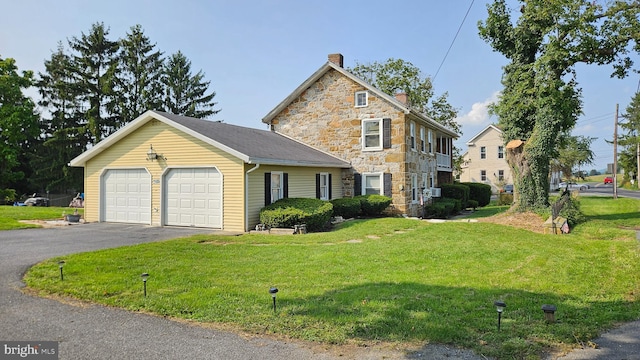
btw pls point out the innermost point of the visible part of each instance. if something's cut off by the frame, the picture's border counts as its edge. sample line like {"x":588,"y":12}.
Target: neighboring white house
{"x":485,"y":160}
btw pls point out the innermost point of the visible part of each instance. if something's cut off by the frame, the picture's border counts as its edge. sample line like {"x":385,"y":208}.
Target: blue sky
{"x":255,"y":53}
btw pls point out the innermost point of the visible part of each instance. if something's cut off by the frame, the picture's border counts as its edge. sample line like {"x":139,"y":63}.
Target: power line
{"x":453,"y":41}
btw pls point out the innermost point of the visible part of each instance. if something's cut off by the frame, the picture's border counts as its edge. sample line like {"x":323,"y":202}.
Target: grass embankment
{"x":395,"y":280}
{"x":10,"y":216}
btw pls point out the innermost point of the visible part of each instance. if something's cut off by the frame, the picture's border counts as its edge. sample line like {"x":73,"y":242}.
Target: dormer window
{"x":362,"y":99}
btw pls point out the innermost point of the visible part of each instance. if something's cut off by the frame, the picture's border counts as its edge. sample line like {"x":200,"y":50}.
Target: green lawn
{"x":10,"y":216}
{"x":392,"y":280}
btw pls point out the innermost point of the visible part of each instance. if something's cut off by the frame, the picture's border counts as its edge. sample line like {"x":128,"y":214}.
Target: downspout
{"x":246,"y":196}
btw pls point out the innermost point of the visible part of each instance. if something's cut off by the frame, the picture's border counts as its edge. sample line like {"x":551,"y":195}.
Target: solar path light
{"x":60,"y":265}
{"x":273,"y":292}
{"x":500,"y":308}
{"x":144,"y":281}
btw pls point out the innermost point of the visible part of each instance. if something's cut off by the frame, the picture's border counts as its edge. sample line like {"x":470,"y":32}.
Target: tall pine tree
{"x":185,"y":94}
{"x":94,"y":66}
{"x":140,"y":75}
{"x":63,"y":133}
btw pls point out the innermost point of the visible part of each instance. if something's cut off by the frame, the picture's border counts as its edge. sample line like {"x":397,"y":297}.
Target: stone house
{"x":393,"y":149}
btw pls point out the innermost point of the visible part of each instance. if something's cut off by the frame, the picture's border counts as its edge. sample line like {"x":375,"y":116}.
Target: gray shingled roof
{"x":260,"y":146}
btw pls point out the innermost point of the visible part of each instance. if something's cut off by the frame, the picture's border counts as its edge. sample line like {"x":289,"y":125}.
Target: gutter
{"x":246,"y":196}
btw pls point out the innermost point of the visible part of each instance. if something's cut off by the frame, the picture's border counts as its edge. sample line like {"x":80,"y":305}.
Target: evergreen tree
{"x":94,"y":67}
{"x":63,"y":134}
{"x":139,"y":76}
{"x":185,"y":94}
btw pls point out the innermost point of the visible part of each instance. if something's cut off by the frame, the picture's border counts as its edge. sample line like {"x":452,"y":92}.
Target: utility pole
{"x":615,"y":155}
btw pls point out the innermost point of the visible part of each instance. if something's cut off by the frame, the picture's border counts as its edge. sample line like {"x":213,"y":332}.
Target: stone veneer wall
{"x":325,"y":117}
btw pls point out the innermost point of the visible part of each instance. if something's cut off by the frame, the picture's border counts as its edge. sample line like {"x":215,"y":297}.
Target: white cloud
{"x":479,"y":113}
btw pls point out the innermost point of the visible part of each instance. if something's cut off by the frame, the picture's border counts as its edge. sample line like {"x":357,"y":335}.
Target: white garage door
{"x":127,"y":196}
{"x":193,"y":197}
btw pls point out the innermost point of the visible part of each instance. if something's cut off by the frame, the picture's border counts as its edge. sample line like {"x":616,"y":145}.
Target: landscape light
{"x":500,"y":307}
{"x":549,"y":312}
{"x":273,"y":292}
{"x":144,"y":281}
{"x":60,"y":265}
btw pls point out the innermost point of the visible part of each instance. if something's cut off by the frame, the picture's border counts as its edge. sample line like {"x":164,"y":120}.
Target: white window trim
{"x":380,"y":137}
{"x":483,"y":151}
{"x":423,"y":145}
{"x":414,"y":188}
{"x":325,"y":176}
{"x":366,"y":98}
{"x":485,"y":175}
{"x":280,"y":192}
{"x":363,"y":191}
{"x":430,"y":142}
{"x":412,"y":135}
{"x":500,"y":152}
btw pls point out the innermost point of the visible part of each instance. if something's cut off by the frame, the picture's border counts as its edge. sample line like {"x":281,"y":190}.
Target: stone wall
{"x":325,"y":117}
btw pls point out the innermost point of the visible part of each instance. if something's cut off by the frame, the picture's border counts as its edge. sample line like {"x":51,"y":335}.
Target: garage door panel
{"x":193,"y":197}
{"x":127,"y":196}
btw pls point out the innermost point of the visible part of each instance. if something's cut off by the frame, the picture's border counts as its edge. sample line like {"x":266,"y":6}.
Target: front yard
{"x":383,"y":280}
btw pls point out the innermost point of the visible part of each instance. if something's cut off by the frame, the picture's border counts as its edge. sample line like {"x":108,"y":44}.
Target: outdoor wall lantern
{"x":500,"y":307}
{"x":273,"y":292}
{"x":144,"y":281}
{"x":549,"y":312}
{"x":60,"y":265}
{"x":153,"y":155}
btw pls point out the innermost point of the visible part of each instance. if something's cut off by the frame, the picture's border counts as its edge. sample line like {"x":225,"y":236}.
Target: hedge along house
{"x":163,"y":169}
{"x":394,"y":149}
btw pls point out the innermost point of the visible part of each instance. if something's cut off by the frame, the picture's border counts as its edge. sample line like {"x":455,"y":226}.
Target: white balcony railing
{"x":443,"y":161}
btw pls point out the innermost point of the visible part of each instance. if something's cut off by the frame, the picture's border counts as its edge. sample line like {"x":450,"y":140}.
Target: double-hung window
{"x":362,"y":98}
{"x":371,"y":184}
{"x":430,"y":142}
{"x":276,"y":186}
{"x":483,"y":175}
{"x":500,"y":152}
{"x":412,"y":132}
{"x":483,"y":152}
{"x":372,"y":134}
{"x":500,"y":175}
{"x":324,"y":186}
{"x":422,"y":146}
{"x":414,"y":188}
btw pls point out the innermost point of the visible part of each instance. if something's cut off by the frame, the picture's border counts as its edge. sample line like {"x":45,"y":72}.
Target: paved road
{"x":98,"y":332}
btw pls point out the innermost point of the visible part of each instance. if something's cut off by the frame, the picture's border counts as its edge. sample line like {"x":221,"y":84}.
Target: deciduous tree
{"x":18,"y":124}
{"x":541,"y":99}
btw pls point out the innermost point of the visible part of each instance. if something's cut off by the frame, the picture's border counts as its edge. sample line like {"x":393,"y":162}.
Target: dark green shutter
{"x":267,"y":189}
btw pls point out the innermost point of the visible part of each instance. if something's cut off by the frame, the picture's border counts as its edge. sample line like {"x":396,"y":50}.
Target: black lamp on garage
{"x":153,"y":155}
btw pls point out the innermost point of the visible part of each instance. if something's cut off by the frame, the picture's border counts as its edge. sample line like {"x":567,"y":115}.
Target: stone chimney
{"x":337,"y":59}
{"x":403,"y":98}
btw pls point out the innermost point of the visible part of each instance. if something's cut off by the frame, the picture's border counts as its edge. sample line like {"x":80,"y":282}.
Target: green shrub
{"x":505,"y":199}
{"x":288,"y":212}
{"x":472,"y":204}
{"x":479,"y":192}
{"x":373,"y":205}
{"x":346,"y":207}
{"x":456,"y":191}
{"x":8,"y":196}
{"x":443,"y":208}
{"x":571,"y":211}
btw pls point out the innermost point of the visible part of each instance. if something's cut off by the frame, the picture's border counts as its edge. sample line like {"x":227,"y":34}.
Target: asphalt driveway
{"x":99,"y":332}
